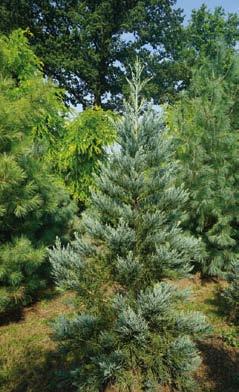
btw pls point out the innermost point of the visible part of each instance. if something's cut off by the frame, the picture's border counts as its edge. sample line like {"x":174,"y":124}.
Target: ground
{"x":29,"y":361}
{"x":28,"y":358}
{"x":219,"y":371}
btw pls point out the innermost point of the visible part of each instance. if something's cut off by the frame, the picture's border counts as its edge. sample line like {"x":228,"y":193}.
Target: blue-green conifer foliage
{"x":129,"y":329}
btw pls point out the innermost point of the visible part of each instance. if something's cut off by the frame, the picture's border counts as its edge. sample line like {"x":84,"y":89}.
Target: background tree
{"x":205,"y":127}
{"x":130,"y":331}
{"x":81,"y":148}
{"x":201,"y":36}
{"x":34,"y":206}
{"x":206,"y":28}
{"x":86,"y":45}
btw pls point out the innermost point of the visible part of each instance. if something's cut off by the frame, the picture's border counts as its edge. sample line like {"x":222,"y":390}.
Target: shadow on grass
{"x":219,"y":305}
{"x":46,"y":371}
{"x":17,"y":313}
{"x":12,"y":316}
{"x":38,"y":371}
{"x":41,"y":371}
{"x":221,"y":364}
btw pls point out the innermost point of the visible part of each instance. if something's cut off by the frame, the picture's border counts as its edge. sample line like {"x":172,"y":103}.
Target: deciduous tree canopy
{"x":85,"y":45}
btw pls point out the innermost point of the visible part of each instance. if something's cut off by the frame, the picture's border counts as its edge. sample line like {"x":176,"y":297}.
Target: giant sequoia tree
{"x":205,"y":126}
{"x":85,"y":45}
{"x":34,"y":206}
{"x":130,"y":331}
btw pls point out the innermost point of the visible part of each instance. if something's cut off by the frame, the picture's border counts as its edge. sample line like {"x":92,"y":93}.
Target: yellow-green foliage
{"x":29,"y":104}
{"x":83,"y":147}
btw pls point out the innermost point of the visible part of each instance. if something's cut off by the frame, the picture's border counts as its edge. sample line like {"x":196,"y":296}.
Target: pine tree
{"x":131,"y":331}
{"x":205,"y":127}
{"x":34,"y":206}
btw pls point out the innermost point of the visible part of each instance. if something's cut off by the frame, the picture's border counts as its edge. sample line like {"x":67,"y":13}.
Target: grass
{"x":219,"y":371}
{"x":29,"y":359}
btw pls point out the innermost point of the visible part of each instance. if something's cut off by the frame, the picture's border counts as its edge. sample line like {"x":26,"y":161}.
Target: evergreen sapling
{"x":129,"y":329}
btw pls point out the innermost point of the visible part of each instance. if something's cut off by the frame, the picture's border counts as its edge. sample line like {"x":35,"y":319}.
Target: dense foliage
{"x":206,"y":28}
{"x":81,"y":148}
{"x":201,"y":36}
{"x":205,"y":126}
{"x":131,"y":331}
{"x":86,"y":45}
{"x":34,"y":206}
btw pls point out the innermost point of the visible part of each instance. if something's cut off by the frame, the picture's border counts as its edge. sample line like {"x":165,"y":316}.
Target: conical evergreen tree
{"x":130,"y":331}
{"x":205,"y":127}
